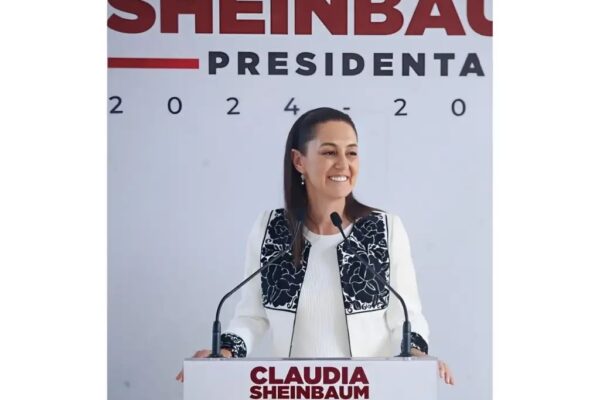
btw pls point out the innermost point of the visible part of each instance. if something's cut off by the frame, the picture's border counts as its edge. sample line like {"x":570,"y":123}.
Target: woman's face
{"x":330,"y":163}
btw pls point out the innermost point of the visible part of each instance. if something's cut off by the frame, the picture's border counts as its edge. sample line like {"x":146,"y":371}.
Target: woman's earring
{"x":302,"y":180}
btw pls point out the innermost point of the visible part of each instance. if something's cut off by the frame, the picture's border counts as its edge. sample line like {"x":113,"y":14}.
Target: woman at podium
{"x":319,"y":298}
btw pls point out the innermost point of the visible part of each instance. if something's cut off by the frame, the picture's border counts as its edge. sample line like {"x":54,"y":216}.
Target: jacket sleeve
{"x":403,"y":280}
{"x":250,"y":321}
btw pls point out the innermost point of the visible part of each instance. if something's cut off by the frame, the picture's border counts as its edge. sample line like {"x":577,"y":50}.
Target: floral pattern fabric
{"x":234,"y":343}
{"x":366,"y":244}
{"x":282,"y":281}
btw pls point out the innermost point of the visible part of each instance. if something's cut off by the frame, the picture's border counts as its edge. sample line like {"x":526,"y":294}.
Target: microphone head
{"x":336,"y":219}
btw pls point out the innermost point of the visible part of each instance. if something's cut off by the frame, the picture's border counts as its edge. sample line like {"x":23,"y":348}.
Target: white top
{"x":321,"y":331}
{"x":320,"y":327}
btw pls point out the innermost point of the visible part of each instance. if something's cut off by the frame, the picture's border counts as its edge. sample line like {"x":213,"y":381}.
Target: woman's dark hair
{"x":296,"y":199}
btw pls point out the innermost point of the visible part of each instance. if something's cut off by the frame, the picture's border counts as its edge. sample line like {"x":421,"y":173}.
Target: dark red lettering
{"x":331,"y":393}
{"x":344,"y":369}
{"x":364,"y":9}
{"x":229,"y":23}
{"x":255,"y":392}
{"x":317,"y":392}
{"x":171,"y":9}
{"x":361,"y":392}
{"x":331,"y":375}
{"x":279,"y":16}
{"x":145,"y":16}
{"x":333,"y":15}
{"x":346,"y":392}
{"x":476,"y":17}
{"x":273,"y":380}
{"x":422,"y":18}
{"x":311,"y":380}
{"x":269,"y":391}
{"x":293,"y":376}
{"x":302,"y":392}
{"x":254,"y":375}
{"x":283,"y":392}
{"x":359,"y":376}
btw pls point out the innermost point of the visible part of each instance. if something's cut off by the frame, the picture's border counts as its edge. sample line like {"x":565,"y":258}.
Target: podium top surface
{"x":324,"y":359}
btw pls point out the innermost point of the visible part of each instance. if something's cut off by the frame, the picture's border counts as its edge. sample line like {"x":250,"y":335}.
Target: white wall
{"x":184,"y":189}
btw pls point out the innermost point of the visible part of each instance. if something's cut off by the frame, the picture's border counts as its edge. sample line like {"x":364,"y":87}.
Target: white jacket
{"x":374,"y":320}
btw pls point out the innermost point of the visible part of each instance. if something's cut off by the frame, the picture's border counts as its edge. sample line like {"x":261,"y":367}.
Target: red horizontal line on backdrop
{"x":169,"y":63}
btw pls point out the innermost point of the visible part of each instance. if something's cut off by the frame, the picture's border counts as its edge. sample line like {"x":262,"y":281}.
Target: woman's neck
{"x":318,"y":219}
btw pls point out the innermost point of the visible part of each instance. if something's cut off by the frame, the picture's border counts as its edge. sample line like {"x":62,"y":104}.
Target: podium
{"x":394,"y":378}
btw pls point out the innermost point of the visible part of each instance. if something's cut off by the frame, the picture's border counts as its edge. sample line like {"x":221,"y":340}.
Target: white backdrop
{"x":186,"y":183}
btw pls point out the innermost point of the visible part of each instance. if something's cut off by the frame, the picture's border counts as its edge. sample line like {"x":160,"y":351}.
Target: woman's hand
{"x":203,"y":354}
{"x":443,"y":368}
{"x":445,"y":372}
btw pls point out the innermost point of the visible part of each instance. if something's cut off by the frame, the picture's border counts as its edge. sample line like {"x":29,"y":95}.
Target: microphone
{"x":216,"y":332}
{"x":405,"y":350}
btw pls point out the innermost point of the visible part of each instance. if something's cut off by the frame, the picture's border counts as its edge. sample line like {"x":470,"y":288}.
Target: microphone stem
{"x":216,"y":331}
{"x":216,"y":340}
{"x":406,"y":329}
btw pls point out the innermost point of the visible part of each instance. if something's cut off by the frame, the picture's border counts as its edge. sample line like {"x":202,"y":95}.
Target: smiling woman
{"x":321,"y":165}
{"x":329,"y":166}
{"x":321,"y":299}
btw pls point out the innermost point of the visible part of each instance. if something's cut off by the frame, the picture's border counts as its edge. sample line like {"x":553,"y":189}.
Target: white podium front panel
{"x":293,"y":378}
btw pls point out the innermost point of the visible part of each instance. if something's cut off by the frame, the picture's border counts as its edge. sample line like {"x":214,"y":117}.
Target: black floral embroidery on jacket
{"x":281,"y":282}
{"x":278,"y":232}
{"x":367,"y":244}
{"x":233,"y":343}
